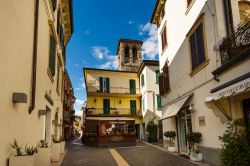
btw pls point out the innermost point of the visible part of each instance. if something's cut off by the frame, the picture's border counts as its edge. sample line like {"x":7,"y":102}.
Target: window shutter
{"x":58,"y":21}
{"x":158,"y":102}
{"x":106,"y":106}
{"x":101,"y":84}
{"x":132,"y":86}
{"x":133,"y":107}
{"x":161,"y":87}
{"x":193,"y":49}
{"x":107,"y":85}
{"x":54,"y":3}
{"x":157,"y":76}
{"x":142,"y":80}
{"x":52,"y":56}
{"x":61,"y":36}
{"x":166,"y":79}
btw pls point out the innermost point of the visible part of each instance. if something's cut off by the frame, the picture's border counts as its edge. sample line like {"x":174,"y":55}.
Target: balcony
{"x":234,"y":48}
{"x":113,"y":91}
{"x":113,"y":112}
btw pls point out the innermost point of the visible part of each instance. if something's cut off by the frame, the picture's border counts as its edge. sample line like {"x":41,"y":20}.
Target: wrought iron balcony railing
{"x":232,"y":47}
{"x":117,"y":90}
{"x":113,"y":112}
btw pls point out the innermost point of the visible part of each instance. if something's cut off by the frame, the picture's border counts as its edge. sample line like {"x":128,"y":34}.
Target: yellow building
{"x":113,"y":93}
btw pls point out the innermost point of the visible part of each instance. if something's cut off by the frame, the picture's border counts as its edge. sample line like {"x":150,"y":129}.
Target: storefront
{"x":110,"y":131}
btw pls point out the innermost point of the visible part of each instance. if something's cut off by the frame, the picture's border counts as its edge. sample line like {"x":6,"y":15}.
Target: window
{"x":58,"y":78}
{"x":52,"y":55}
{"x":158,"y":101}
{"x":197,"y":47}
{"x":142,"y":80}
{"x":132,"y":87}
{"x":134,"y":55}
{"x":157,"y":76}
{"x":164,"y":86}
{"x":189,"y":2}
{"x":106,"y":106}
{"x":143,"y":104}
{"x":133,"y":107}
{"x":164,"y":38}
{"x":104,"y":84}
{"x":126,"y":60}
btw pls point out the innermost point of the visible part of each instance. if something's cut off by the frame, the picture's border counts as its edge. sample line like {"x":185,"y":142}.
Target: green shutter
{"x":157,"y":76}
{"x":132,"y":87}
{"x":142,"y":80}
{"x":133,"y":107}
{"x":101,"y":84}
{"x":52,"y":55}
{"x":158,"y":102}
{"x":106,"y":106}
{"x":107,"y":85}
{"x":143,"y":104}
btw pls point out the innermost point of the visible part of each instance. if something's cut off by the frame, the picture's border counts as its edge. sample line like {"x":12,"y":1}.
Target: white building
{"x":34,"y":36}
{"x":202,"y":88}
{"x":151,"y":99}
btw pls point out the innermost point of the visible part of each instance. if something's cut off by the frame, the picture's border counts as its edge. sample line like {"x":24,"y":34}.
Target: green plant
{"x":151,"y":128}
{"x":43,"y":144}
{"x":62,"y":139}
{"x":171,"y":135}
{"x":17,"y":148}
{"x":193,"y":138}
{"x":30,"y":150}
{"x":55,"y":140}
{"x":235,"y":145}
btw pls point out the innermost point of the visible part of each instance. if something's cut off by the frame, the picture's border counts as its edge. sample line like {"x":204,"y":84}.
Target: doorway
{"x":246,"y":113}
{"x":184,"y":125}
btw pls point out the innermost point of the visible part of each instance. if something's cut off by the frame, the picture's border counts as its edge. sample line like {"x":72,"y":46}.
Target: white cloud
{"x":150,"y":43}
{"x":77,"y":65}
{"x":100,"y":52}
{"x":79,"y":102}
{"x":131,"y":22}
{"x":103,"y":53}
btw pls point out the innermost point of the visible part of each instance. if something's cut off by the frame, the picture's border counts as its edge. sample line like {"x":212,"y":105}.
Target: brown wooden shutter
{"x":166,"y":80}
{"x":161,"y":85}
{"x":52,"y":55}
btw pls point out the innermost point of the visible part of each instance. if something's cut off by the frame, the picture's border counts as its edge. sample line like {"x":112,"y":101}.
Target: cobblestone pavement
{"x":139,"y":155}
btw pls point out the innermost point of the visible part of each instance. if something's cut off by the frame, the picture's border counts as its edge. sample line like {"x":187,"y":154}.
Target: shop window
{"x":164,"y":38}
{"x":126,"y":58}
{"x":142,"y":80}
{"x":134,"y":54}
{"x":104,"y":84}
{"x":197,"y":45}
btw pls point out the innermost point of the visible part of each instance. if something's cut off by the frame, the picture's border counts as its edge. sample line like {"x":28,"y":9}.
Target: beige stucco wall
{"x":177,"y":53}
{"x":16,"y":49}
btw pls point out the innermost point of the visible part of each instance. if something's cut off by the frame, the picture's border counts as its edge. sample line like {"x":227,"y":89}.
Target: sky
{"x":98,"y":24}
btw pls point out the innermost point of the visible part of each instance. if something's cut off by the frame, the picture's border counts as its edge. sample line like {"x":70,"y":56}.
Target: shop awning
{"x":174,"y":108}
{"x":230,"y":90}
{"x":108,"y":118}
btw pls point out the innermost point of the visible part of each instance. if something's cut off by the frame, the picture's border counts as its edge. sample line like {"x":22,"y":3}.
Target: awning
{"x":174,"y":108}
{"x":230,"y":90}
{"x":108,"y":118}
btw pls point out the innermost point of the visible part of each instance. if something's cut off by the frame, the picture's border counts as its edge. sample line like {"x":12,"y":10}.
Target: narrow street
{"x":141,"y":154}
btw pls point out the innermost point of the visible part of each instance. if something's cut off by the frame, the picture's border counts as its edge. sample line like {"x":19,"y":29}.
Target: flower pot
{"x":55,"y":151}
{"x":197,"y":157}
{"x":172,"y":149}
{"x":62,"y":147}
{"x":43,"y":157}
{"x":22,"y":160}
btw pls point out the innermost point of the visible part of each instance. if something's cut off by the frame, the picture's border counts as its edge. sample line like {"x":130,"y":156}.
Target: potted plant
{"x":21,"y":159}
{"x":43,"y":154}
{"x":56,"y":149}
{"x":152,"y":131}
{"x":194,"y":138}
{"x":62,"y":145}
{"x":235,"y":144}
{"x":171,"y":135}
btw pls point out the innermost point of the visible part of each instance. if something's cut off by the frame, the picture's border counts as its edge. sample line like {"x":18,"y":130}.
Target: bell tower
{"x":129,"y":54}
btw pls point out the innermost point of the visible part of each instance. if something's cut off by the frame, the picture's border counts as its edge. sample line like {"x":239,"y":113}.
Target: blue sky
{"x":98,"y":24}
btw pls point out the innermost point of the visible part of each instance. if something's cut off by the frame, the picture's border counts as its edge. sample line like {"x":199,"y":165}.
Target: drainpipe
{"x":34,"y":59}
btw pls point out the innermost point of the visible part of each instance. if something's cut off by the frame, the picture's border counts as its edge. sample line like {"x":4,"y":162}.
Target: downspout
{"x":34,"y":59}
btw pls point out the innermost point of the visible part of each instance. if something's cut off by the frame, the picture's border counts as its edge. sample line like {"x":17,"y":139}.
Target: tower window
{"x":126,"y":58}
{"x":134,"y":55}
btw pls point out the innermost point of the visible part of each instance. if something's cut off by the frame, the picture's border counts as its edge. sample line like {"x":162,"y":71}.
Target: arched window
{"x":134,"y":55}
{"x":126,"y":58}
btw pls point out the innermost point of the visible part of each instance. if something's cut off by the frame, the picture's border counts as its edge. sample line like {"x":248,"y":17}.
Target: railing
{"x":117,"y":90}
{"x":232,"y":46}
{"x":113,"y":112}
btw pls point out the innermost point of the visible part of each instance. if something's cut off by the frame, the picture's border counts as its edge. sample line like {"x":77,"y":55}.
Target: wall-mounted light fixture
{"x":95,"y":100}
{"x":191,"y":108}
{"x":19,"y":97}
{"x":120,"y":101}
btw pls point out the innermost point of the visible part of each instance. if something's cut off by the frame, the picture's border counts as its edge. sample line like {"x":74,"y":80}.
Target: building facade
{"x":68,"y":107}
{"x":204,"y":68}
{"x":113,"y":93}
{"x":151,"y":99}
{"x":32,"y":67}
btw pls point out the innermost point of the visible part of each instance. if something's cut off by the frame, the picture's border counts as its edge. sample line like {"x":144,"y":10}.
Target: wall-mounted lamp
{"x":191,"y":108}
{"x":120,"y":101}
{"x":19,"y":97}
{"x":95,"y":100}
